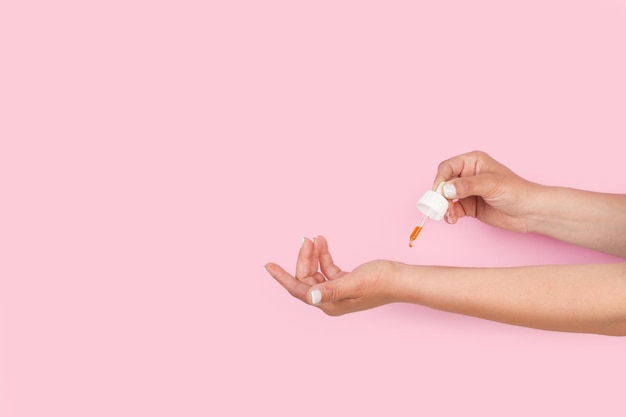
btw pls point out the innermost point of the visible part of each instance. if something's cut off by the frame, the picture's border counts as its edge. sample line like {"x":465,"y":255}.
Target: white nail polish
{"x":302,"y":242}
{"x":316,"y":296}
{"x":449,"y":190}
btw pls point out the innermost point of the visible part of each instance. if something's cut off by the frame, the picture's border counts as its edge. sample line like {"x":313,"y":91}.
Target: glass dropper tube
{"x":417,"y":230}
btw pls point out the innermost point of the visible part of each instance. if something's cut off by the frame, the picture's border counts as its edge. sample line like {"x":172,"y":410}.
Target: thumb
{"x":481,"y":185}
{"x":330,"y":291}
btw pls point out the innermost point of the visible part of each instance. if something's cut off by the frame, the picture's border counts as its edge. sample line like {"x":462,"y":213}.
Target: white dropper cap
{"x":433,"y":204}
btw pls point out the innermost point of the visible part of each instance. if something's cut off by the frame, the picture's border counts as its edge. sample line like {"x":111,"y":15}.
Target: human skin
{"x":573,"y":298}
{"x":492,"y":193}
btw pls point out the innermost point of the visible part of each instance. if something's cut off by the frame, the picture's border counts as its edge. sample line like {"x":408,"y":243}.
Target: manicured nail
{"x":448,"y":218}
{"x":302,"y":242}
{"x":449,"y":190}
{"x":316,"y":296}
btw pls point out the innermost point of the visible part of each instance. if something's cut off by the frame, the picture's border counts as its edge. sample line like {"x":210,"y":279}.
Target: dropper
{"x":417,"y":230}
{"x":433,"y":205}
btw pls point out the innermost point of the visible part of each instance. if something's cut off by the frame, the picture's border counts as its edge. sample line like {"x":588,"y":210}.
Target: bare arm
{"x":481,"y":187}
{"x":571,"y":298}
{"x":584,"y":218}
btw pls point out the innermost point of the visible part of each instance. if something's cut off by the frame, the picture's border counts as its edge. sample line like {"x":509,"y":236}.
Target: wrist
{"x":404,"y":282}
{"x":540,"y":202}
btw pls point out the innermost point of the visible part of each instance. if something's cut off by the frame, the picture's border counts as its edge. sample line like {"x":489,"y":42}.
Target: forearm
{"x":573,"y":298}
{"x":584,"y":218}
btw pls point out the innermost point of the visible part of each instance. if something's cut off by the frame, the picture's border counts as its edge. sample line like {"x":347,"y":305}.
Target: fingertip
{"x":455,"y":212}
{"x":437,"y":183}
{"x":452,"y":219}
{"x":320,"y":239}
{"x":305,"y":245}
{"x":270,"y":268}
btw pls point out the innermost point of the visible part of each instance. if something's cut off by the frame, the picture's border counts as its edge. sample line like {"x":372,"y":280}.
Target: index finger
{"x":294,"y":286}
{"x":463,"y":165}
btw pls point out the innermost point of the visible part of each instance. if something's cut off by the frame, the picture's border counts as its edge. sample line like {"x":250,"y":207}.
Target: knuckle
{"x":444,"y":166}
{"x":333,"y":294}
{"x":478,"y":154}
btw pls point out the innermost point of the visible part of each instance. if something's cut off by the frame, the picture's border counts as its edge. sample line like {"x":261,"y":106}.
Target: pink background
{"x":154,"y":155}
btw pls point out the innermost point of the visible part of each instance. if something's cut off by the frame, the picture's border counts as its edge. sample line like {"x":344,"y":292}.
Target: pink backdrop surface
{"x":154,"y":155}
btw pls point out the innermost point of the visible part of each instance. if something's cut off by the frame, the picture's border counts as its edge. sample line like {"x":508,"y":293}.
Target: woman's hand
{"x":481,"y":187}
{"x":318,"y":281}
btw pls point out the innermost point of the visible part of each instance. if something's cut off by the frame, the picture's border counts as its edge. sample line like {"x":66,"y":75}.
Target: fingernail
{"x":316,"y":296}
{"x":302,"y":242}
{"x":448,"y":218}
{"x":449,"y":190}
